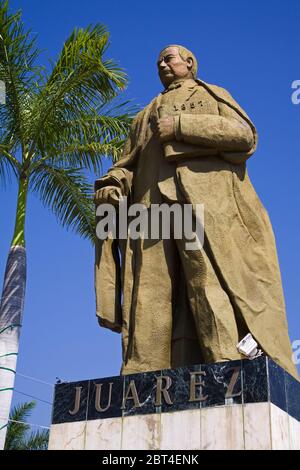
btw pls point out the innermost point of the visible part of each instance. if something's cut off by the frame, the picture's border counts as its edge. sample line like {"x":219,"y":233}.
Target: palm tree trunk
{"x":11,"y":310}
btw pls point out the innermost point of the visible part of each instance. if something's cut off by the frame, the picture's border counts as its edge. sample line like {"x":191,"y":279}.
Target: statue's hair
{"x":185,"y":54}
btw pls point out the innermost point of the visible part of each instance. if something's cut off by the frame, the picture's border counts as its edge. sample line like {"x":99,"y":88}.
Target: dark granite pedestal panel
{"x":194,"y":387}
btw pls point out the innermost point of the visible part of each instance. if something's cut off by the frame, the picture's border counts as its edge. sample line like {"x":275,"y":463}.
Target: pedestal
{"x":229,"y":405}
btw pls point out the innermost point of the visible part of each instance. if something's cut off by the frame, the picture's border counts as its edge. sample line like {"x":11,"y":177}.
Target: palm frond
{"x":81,"y":80}
{"x":16,"y":430}
{"x":83,"y":52}
{"x":17,"y":437}
{"x":18,"y":53}
{"x":86,"y":155}
{"x":22,"y":411}
{"x":103,"y":125}
{"x":69,"y":195}
{"x":82,"y":142}
{"x":6,"y":169}
{"x":37,"y":440}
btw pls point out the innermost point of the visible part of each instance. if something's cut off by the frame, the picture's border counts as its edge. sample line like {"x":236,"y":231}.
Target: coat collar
{"x":190,"y":83}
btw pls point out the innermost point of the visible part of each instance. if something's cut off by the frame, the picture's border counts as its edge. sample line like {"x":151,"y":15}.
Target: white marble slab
{"x":257,"y":426}
{"x":103,"y":434}
{"x":279,"y":428}
{"x":67,"y":436}
{"x":222,"y":428}
{"x":180,"y":430}
{"x":141,"y":432}
{"x":294,"y":427}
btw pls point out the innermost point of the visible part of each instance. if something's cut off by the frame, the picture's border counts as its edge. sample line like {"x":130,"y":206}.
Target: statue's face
{"x":172,"y":67}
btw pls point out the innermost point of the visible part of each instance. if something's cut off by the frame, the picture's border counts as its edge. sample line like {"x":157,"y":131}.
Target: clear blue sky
{"x":249,"y":47}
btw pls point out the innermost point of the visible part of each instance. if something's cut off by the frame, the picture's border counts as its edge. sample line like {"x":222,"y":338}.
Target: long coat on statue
{"x":201,"y":303}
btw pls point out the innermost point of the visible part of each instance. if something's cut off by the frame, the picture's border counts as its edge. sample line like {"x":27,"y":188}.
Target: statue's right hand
{"x":108,"y":195}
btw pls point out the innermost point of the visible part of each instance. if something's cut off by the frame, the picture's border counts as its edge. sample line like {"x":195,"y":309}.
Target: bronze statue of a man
{"x":176,"y":307}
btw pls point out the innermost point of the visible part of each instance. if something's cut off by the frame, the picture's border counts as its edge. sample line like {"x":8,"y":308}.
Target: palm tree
{"x":18,"y":437}
{"x":54,"y":128}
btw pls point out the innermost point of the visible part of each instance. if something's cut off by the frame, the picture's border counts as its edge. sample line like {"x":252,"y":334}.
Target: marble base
{"x":255,"y":426}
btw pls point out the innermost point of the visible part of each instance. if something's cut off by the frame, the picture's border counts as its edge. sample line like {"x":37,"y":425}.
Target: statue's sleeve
{"x":120,"y":178}
{"x":227,"y":131}
{"x":120,"y":175}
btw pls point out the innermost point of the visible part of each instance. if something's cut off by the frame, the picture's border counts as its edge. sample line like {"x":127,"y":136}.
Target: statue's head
{"x":175,"y":63}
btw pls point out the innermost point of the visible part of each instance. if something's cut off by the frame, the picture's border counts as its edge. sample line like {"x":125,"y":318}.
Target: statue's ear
{"x":190,"y":62}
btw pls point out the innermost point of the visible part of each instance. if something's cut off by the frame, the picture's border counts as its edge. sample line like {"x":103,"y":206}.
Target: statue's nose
{"x":162,"y":65}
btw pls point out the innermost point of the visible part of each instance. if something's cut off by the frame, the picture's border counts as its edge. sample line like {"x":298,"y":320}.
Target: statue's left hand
{"x":165,"y":128}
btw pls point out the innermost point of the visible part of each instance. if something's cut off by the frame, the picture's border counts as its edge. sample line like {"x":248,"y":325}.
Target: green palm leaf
{"x":69,"y":195}
{"x":18,"y":53}
{"x":37,"y":440}
{"x":17,"y":437}
{"x":80,"y":82}
{"x":5,"y":169}
{"x":17,"y":427}
{"x":84,"y":140}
